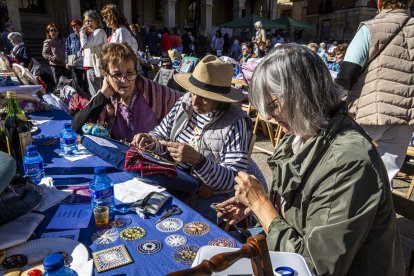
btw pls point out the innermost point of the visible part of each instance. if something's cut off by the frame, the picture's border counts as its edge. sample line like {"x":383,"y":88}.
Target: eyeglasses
{"x":118,"y":77}
{"x":244,"y":49}
{"x":273,"y":106}
{"x":53,"y":31}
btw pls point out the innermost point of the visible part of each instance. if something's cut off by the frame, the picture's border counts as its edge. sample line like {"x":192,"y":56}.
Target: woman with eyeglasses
{"x":92,"y":38}
{"x":246,"y":52}
{"x":330,"y":199}
{"x":54,"y":51}
{"x":128,"y":103}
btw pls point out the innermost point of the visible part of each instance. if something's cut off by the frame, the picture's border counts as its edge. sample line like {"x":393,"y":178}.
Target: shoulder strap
{"x":178,"y":124}
{"x":386,"y":44}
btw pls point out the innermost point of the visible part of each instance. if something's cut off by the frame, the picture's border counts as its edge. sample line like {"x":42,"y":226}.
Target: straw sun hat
{"x":211,"y":79}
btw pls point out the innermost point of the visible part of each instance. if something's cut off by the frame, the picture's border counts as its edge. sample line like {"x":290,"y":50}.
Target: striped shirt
{"x":233,"y":155}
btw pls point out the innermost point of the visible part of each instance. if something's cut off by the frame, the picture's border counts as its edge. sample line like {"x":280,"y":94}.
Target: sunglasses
{"x":53,"y":31}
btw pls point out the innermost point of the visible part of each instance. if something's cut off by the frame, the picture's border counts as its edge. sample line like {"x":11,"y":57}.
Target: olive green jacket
{"x":337,"y":205}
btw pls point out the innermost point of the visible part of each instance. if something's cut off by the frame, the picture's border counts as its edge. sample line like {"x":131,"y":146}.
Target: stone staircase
{"x":35,"y":45}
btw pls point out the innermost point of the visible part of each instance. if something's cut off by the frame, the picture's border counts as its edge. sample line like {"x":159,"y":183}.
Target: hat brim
{"x":234,"y":96}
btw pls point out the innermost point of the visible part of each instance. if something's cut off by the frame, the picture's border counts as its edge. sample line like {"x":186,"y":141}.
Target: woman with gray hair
{"x":20,"y":50}
{"x":92,"y":39}
{"x":330,"y":199}
{"x":260,"y":33}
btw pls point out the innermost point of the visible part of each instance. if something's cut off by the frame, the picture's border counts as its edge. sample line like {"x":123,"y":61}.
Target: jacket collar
{"x":291,"y":170}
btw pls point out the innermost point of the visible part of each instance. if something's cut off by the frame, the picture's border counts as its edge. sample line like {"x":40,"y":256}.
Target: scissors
{"x":170,"y":211}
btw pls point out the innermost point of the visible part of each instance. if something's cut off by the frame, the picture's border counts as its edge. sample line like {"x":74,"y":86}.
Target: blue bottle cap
{"x":67,"y":125}
{"x":100,"y":170}
{"x":31,"y":148}
{"x":284,"y":271}
{"x":53,"y":262}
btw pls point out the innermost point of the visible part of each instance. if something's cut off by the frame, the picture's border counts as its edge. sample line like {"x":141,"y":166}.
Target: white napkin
{"x":19,"y":230}
{"x":82,"y":153}
{"x":50,"y":194}
{"x":133,"y":190}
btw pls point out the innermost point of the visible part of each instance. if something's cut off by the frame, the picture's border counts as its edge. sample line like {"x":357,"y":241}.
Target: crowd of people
{"x":330,"y":199}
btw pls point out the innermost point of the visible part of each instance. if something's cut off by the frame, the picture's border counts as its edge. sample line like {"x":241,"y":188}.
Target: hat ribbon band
{"x":209,"y":87}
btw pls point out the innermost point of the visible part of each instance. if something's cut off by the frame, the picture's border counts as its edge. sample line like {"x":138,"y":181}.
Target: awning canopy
{"x":248,"y":22}
{"x":292,"y":23}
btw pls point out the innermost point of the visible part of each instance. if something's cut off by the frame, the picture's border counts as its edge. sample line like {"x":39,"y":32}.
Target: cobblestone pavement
{"x":406,"y":226}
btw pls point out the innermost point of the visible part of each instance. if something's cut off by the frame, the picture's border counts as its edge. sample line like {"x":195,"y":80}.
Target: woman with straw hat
{"x":205,"y":132}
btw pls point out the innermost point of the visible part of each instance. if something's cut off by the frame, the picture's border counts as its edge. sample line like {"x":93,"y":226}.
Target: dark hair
{"x":115,"y":53}
{"x":75,"y":22}
{"x":219,"y":33}
{"x":152,"y":29}
{"x":50,"y":26}
{"x":248,"y":45}
{"x":115,"y":17}
{"x":395,"y":4}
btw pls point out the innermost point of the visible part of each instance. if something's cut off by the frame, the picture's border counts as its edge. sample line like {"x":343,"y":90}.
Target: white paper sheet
{"x":19,"y":230}
{"x":75,"y":216}
{"x":102,"y":142}
{"x":133,"y":190}
{"x":81,"y":154}
{"x":70,"y":234}
{"x":39,"y":120}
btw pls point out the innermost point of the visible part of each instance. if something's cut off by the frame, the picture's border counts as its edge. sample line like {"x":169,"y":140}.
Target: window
{"x":32,"y":6}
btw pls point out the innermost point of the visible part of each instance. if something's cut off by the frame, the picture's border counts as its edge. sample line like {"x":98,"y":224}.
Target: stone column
{"x":273,"y":10}
{"x":206,"y":14}
{"x":127,"y":10}
{"x":238,"y":6}
{"x":74,"y":10}
{"x":14,"y":15}
{"x":169,"y":13}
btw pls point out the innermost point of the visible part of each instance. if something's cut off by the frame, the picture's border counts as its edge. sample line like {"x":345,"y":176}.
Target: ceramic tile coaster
{"x":106,"y":236}
{"x":149,"y":247}
{"x":132,"y":233}
{"x":175,"y":240}
{"x":185,"y":254}
{"x":111,"y":258}
{"x":170,"y":225}
{"x":223,"y":241}
{"x":196,"y":228}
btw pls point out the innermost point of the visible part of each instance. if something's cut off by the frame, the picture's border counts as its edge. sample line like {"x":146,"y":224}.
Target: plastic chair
{"x":255,"y":249}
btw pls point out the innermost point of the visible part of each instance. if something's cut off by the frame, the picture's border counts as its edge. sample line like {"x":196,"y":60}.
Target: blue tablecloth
{"x":65,"y":172}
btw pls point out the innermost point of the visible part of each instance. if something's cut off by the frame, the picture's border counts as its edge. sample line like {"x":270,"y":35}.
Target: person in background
{"x":247,"y":52}
{"x":330,"y":199}
{"x":226,"y":45}
{"x":377,"y":72}
{"x":93,"y":38}
{"x":235,"y":50}
{"x":202,"y":44}
{"x":128,"y":103}
{"x":73,"y":49}
{"x":178,"y":43}
{"x":260,"y":34}
{"x":153,"y":40}
{"x":217,"y":44}
{"x":332,"y":47}
{"x":20,"y":50}
{"x":167,"y":41}
{"x":8,"y":28}
{"x":314,"y":47}
{"x":115,"y":19}
{"x":136,"y":32}
{"x":339,"y":54}
{"x":54,"y":51}
{"x":279,"y":39}
{"x":261,"y":49}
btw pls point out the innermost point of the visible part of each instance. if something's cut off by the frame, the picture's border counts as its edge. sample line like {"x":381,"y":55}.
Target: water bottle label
{"x":102,"y":194}
{"x":69,"y":141}
{"x":33,"y":168}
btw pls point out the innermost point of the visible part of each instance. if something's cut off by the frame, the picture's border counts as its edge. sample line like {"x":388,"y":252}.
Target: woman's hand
{"x":107,"y":88}
{"x":144,"y":140}
{"x":232,"y":210}
{"x":182,"y":153}
{"x":249,"y":190}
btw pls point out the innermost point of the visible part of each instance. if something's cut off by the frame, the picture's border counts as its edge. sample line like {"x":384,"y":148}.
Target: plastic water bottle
{"x":101,"y":189}
{"x":33,"y":164}
{"x":55,"y":266}
{"x":68,"y":140}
